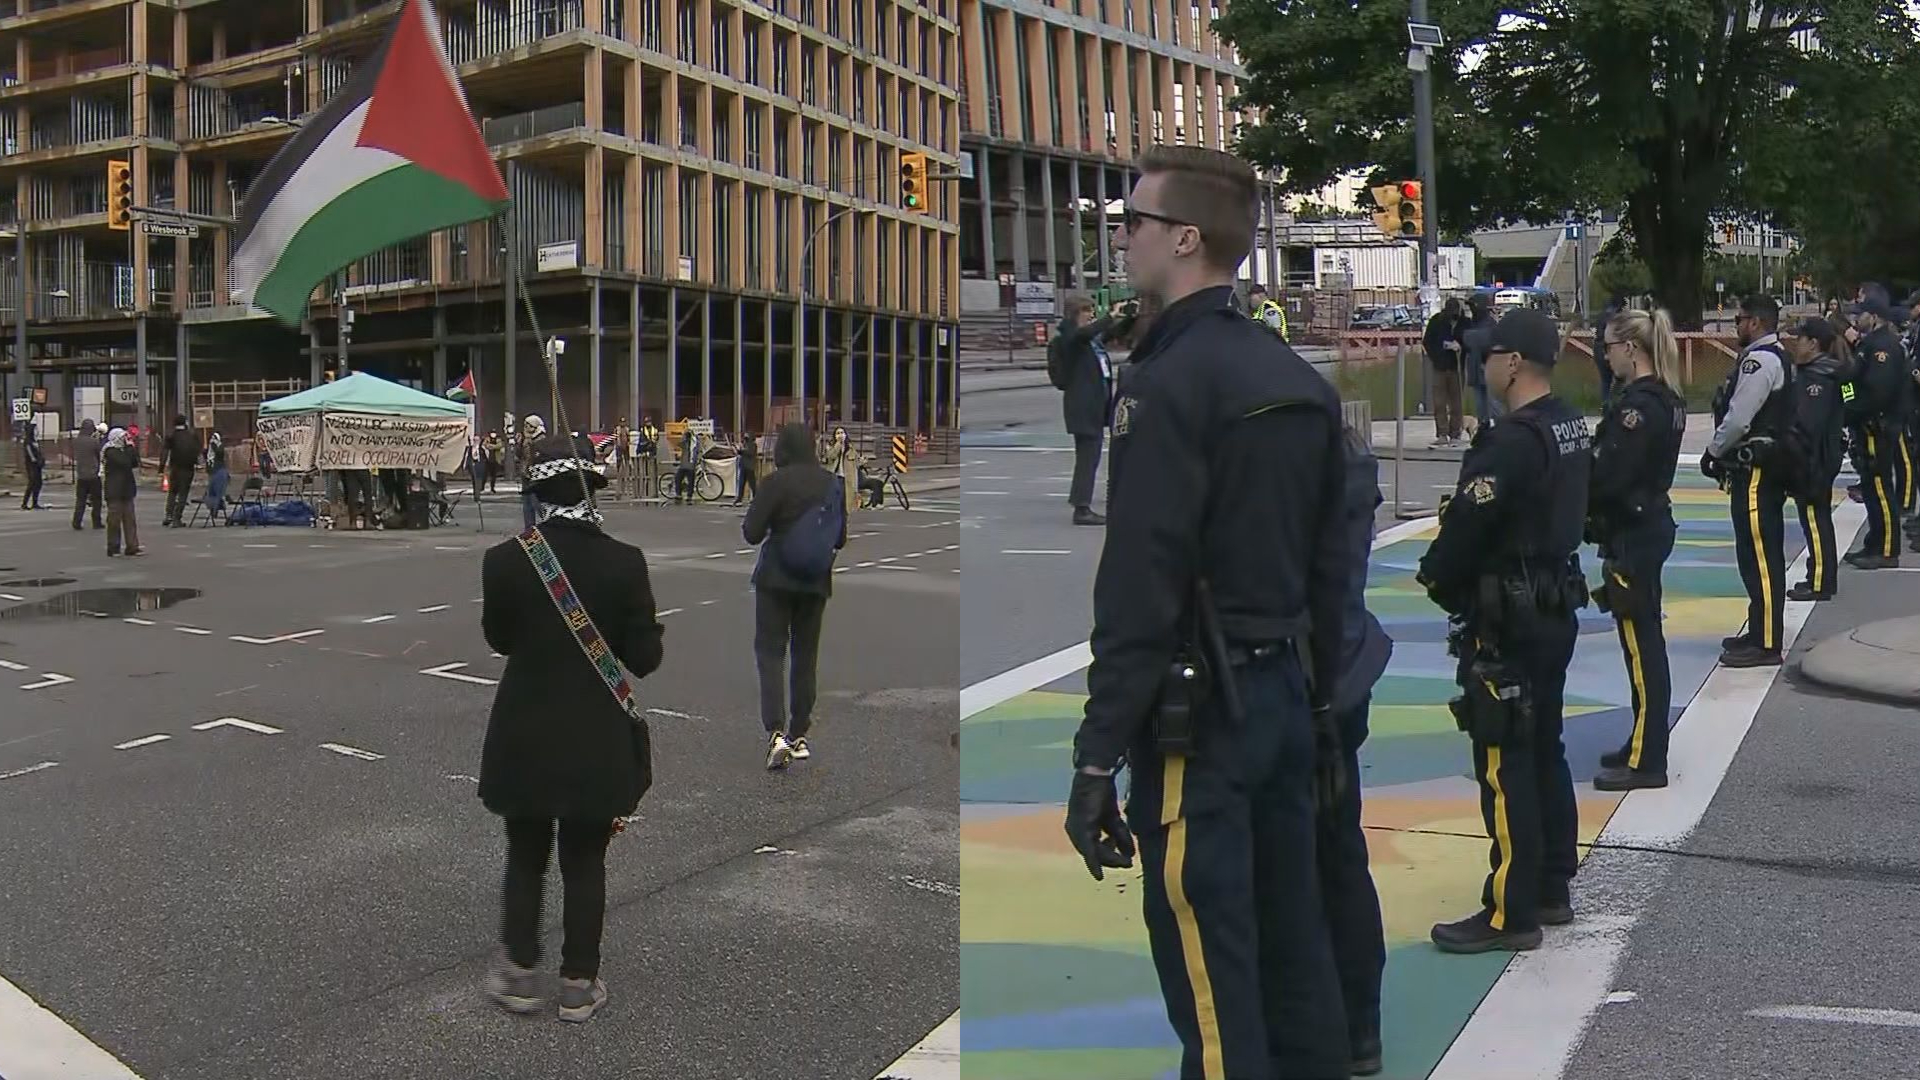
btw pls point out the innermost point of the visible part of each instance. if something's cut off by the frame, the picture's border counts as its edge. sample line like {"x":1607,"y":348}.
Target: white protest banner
{"x":365,"y":441}
{"x":292,"y":440}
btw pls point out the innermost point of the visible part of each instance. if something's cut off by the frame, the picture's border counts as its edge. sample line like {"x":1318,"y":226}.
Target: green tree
{"x":1678,"y":111}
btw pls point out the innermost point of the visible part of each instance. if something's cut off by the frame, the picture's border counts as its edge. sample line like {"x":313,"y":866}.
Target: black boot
{"x":1804,"y":591}
{"x":1625,"y":779}
{"x":1475,"y":934}
{"x":1865,"y":561}
{"x":1083,"y":515}
{"x":1616,"y":759}
{"x":1748,"y":655}
{"x":1366,"y":1056}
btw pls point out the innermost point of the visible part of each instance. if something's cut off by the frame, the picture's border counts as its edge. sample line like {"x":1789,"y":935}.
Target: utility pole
{"x":1425,"y":39}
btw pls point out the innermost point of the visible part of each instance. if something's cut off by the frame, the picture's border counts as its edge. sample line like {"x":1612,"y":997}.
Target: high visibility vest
{"x":1274,"y":315}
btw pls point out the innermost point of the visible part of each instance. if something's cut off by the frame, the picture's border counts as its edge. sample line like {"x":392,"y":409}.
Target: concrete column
{"x":913,"y":379}
{"x":983,"y":171}
{"x":1079,"y":278}
{"x":1042,"y":88}
{"x":1209,"y":109}
{"x":845,"y":404}
{"x":739,"y":418}
{"x":706,"y":355}
{"x":873,"y":346}
{"x":1017,"y":190}
{"x":973,"y":40}
{"x":1006,"y":30}
{"x":595,"y":329}
{"x":1102,"y":233}
{"x":439,"y":384}
{"x":636,"y":398}
{"x":766,"y":394}
{"x":1093,"y":73}
{"x":819,"y":396}
{"x":1070,"y":86}
{"x":670,"y":408}
{"x":1050,"y":216}
{"x":182,"y":367}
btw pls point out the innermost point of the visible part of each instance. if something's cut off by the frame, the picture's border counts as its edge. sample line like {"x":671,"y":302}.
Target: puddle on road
{"x":37,"y":582}
{"x":99,"y":603}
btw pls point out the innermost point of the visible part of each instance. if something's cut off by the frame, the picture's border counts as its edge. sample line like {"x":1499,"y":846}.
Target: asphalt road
{"x":314,"y":893}
{"x":1776,"y":943}
{"x":1028,"y":569}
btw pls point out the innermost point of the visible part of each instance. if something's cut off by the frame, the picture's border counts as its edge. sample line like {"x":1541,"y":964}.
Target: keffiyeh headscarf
{"x":550,"y":480}
{"x":117,"y":439}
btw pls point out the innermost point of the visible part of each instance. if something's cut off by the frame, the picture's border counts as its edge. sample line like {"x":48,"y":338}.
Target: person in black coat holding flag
{"x":560,"y":747}
{"x":1079,"y":367}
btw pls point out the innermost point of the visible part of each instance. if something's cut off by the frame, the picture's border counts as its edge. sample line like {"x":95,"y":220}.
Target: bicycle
{"x":708,"y":484}
{"x":890,"y":481}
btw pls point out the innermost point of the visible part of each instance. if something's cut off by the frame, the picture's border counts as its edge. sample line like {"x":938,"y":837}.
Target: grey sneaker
{"x":779,"y":751}
{"x":799,"y":749}
{"x":514,"y":988}
{"x":580,"y":999}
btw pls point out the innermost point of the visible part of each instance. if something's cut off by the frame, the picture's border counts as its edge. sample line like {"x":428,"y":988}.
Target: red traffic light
{"x":1410,"y":190}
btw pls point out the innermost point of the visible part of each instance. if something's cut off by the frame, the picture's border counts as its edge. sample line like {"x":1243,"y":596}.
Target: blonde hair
{"x":1653,"y":333}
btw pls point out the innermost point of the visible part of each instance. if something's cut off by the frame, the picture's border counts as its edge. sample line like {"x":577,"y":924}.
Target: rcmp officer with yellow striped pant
{"x":1505,"y":567}
{"x":1876,"y":419}
{"x":1217,"y":643}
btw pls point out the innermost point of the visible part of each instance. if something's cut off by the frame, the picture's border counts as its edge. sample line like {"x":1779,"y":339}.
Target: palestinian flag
{"x":393,"y":156}
{"x":462,"y":390}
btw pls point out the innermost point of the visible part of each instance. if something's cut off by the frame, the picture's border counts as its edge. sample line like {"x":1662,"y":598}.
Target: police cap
{"x":1873,"y":301}
{"x":1529,"y":333}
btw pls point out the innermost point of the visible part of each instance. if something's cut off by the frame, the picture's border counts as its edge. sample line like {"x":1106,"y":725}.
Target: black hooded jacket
{"x":797,"y":485}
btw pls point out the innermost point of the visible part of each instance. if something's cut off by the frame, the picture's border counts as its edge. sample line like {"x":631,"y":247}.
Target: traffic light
{"x":119,"y":195}
{"x":913,"y":181}
{"x":1413,"y":210}
{"x":1397,"y":217}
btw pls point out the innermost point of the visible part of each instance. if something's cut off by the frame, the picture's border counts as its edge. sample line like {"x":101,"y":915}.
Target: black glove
{"x":1330,"y":777}
{"x":1712,"y":467}
{"x":1095,"y":826}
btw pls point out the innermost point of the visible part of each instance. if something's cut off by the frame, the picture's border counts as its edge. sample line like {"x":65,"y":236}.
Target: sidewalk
{"x":1878,"y":658}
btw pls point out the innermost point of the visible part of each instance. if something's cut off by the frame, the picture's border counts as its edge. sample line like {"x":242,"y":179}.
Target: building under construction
{"x":707,"y":207}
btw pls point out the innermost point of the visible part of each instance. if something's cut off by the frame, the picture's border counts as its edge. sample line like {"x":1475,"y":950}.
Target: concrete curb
{"x":1880,"y":660}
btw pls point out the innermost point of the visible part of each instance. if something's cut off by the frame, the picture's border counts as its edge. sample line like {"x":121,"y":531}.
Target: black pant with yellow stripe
{"x":1875,"y":459}
{"x":1902,"y":468}
{"x":1526,"y":789}
{"x":1816,"y":522}
{"x":1759,"y":543}
{"x":1634,"y":561}
{"x":1232,"y":900}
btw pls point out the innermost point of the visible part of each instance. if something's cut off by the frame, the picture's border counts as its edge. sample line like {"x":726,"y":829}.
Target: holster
{"x":1494,"y":706}
{"x":1185,"y":691}
{"x":1617,"y":593}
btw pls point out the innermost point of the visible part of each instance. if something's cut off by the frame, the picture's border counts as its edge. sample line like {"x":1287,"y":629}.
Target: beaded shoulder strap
{"x":574,"y":614}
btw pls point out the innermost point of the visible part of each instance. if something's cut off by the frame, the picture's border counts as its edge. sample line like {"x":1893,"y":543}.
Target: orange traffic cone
{"x":164,"y":486}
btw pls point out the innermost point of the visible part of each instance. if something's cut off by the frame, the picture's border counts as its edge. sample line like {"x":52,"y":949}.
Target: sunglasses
{"x":1135,"y":217}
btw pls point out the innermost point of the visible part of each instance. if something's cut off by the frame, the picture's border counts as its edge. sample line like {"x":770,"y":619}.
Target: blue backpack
{"x":807,"y":547}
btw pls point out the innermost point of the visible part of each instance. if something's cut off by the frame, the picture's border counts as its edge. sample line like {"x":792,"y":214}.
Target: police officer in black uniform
{"x":1506,"y":568}
{"x":1910,"y":341}
{"x":1748,"y":457}
{"x":1822,"y":367}
{"x":1225,"y":569}
{"x":1875,"y":416}
{"x":1630,"y":518}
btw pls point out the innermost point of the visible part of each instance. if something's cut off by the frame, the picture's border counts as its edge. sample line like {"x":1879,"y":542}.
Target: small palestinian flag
{"x":393,"y":156}
{"x":462,"y":390}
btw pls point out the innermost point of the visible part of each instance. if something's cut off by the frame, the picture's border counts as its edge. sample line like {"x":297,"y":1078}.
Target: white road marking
{"x":1622,"y":997}
{"x":192,"y":630}
{"x":11,"y":666}
{"x":463,"y":776}
{"x":9,"y":776}
{"x":1828,"y":1014}
{"x":274,"y":640}
{"x":378,"y":618}
{"x":448,"y":671}
{"x":437,"y":547}
{"x":989,"y":477}
{"x":863,"y":565}
{"x":1554,"y":992}
{"x":147,"y":741}
{"x":138,"y":622}
{"x":669,"y":611}
{"x":244,"y":725}
{"x":743,"y":551}
{"x":10,"y":596}
{"x":768,"y":850}
{"x":841,"y":569}
{"x":1034,"y":551}
{"x":950,"y":547}
{"x":352,"y":751}
{"x":936,"y":1057}
{"x":675,"y":715}
{"x":706,"y":603}
{"x":434,"y":608}
{"x":925,"y":885}
{"x":890,"y":558}
{"x":260,"y":545}
{"x":47,"y":678}
{"x":37,"y":1045}
{"x":908,"y":569}
{"x":983,"y":493}
{"x":717,"y":555}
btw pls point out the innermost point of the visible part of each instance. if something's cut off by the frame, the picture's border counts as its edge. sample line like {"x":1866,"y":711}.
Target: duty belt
{"x":1240,"y":655}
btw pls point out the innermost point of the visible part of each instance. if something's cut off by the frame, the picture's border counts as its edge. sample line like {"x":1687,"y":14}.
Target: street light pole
{"x":1419,"y":59}
{"x":800,"y":311}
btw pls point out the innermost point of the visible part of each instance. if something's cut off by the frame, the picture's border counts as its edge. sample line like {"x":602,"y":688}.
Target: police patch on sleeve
{"x":1749,"y":366}
{"x":1813,"y":389}
{"x":1630,"y":418}
{"x":1123,"y":415}
{"x":1879,"y":357}
{"x":1480,"y":490}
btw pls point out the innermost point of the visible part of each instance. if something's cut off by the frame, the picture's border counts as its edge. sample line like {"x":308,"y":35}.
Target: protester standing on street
{"x":1747,"y":456}
{"x":179,"y":458}
{"x":746,"y":468}
{"x":1442,"y":343}
{"x":1226,"y":551}
{"x":35,"y":460}
{"x":622,"y":459}
{"x":1630,"y":518}
{"x":86,"y":473}
{"x":532,"y":430}
{"x":120,"y":465}
{"x":1875,"y":415}
{"x":1347,"y":892}
{"x":566,"y":749}
{"x":1079,"y":367}
{"x":799,"y":521}
{"x":1823,"y":364}
{"x":1473,"y":344}
{"x":1506,"y":568}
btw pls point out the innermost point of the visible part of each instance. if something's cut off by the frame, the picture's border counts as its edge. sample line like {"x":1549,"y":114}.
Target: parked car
{"x":1385,"y":317}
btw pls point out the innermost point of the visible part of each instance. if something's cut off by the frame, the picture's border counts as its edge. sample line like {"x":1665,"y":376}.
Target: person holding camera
{"x":1630,"y":518}
{"x":1506,"y":569}
{"x":1747,"y":457}
{"x":1079,"y":367}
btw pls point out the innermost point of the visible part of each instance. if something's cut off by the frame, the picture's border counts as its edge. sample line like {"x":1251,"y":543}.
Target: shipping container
{"x":1376,"y":266}
{"x":1456,"y":268}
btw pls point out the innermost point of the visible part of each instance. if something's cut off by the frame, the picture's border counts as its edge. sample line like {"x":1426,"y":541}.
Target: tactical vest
{"x":1775,"y":413}
{"x":1549,"y":540}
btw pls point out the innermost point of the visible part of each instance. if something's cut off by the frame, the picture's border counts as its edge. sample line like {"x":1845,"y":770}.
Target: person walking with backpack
{"x":799,"y":520}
